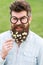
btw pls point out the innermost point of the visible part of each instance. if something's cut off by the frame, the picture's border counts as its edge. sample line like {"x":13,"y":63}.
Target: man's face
{"x":19,"y":22}
{"x":18,"y":26}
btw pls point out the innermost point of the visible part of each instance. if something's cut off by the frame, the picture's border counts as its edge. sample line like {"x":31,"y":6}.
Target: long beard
{"x":20,"y":36}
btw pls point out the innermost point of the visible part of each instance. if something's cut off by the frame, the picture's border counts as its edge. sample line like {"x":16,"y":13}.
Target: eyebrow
{"x":17,"y":17}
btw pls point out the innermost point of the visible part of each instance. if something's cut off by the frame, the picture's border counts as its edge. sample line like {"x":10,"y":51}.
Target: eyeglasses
{"x":23,"y":19}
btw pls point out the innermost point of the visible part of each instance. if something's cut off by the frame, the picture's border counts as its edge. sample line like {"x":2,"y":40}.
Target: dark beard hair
{"x":13,"y":29}
{"x":25,"y":30}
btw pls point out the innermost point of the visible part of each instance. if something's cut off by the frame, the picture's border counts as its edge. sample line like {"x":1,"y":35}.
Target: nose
{"x":19,"y":22}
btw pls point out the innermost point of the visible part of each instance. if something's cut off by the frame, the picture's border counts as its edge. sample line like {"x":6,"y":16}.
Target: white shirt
{"x":30,"y":51}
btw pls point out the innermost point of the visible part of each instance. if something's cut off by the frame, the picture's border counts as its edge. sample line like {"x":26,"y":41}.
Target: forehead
{"x":19,"y":14}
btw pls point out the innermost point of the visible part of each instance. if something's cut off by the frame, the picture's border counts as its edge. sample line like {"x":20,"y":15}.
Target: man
{"x":19,"y":45}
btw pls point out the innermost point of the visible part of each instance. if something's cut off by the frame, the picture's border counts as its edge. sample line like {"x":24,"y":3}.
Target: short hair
{"x":19,"y":6}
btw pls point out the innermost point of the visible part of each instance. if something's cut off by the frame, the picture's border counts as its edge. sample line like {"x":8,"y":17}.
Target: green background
{"x":37,"y":16}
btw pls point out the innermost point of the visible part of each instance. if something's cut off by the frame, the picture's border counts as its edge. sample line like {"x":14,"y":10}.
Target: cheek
{"x":26,"y":25}
{"x":12,"y":25}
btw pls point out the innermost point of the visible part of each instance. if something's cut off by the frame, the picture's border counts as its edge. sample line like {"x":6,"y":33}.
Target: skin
{"x":7,"y":46}
{"x":19,"y":15}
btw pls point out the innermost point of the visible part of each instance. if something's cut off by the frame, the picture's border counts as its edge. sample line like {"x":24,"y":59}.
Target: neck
{"x":18,"y":43}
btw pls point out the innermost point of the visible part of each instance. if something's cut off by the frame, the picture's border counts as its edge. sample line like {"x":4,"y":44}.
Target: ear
{"x":30,"y":19}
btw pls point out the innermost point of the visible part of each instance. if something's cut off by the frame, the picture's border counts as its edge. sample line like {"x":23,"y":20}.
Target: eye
{"x":13,"y":19}
{"x":24,"y":19}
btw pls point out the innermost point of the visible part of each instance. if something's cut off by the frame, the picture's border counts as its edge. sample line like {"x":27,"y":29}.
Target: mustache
{"x":21,"y":26}
{"x":16,"y":26}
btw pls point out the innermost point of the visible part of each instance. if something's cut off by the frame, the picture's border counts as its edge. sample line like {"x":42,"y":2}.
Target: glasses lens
{"x":24,"y":20}
{"x":13,"y":19}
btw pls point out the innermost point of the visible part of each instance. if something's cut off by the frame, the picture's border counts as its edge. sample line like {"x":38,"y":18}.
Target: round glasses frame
{"x":23,"y":19}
